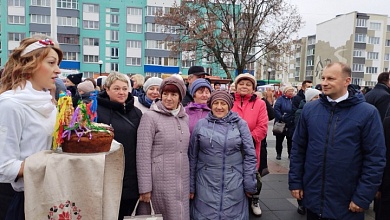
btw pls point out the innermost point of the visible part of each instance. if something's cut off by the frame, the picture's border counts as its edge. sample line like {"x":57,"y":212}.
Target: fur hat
{"x":197,"y":70}
{"x":198,"y":84}
{"x":246,"y":76}
{"x":75,"y":78}
{"x":288,"y":88}
{"x":86,"y":86}
{"x":310,"y":93}
{"x":220,"y":95}
{"x":175,"y":82}
{"x":152,"y":81}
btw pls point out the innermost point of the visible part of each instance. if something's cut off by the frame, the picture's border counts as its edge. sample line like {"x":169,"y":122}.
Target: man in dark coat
{"x":338,"y":153}
{"x":380,"y":95}
{"x":194,"y":73}
{"x":301,"y":94}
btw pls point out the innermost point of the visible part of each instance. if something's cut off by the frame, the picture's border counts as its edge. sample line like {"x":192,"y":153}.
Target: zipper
{"x":223,"y":174}
{"x":324,"y":159}
{"x":180,"y":169}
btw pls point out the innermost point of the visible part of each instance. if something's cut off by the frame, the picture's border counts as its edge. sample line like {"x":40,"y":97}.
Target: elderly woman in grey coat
{"x":162,"y":159}
{"x":222,"y":163}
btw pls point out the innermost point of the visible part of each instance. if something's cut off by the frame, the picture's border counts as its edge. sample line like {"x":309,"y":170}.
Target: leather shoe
{"x":301,"y":210}
{"x":278,"y":157}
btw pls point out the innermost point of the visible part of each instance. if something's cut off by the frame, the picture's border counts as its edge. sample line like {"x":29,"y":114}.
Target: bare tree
{"x":236,"y":33}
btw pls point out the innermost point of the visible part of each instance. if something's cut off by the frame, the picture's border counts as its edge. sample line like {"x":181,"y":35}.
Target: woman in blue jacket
{"x":222,"y":163}
{"x":284,"y":113}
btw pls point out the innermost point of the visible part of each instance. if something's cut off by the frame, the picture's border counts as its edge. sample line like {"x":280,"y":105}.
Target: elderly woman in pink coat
{"x":162,"y":160}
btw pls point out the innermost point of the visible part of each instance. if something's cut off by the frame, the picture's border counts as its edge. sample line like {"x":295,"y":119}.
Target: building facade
{"x":99,"y":36}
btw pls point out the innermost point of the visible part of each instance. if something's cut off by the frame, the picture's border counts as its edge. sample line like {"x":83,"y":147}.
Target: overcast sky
{"x":317,"y":11}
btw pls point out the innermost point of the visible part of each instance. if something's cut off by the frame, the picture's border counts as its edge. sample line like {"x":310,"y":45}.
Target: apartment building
{"x":99,"y":36}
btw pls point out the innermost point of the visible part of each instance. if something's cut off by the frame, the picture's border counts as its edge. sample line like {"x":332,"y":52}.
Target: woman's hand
{"x":192,"y":195}
{"x":145,"y":197}
{"x":249,"y":195}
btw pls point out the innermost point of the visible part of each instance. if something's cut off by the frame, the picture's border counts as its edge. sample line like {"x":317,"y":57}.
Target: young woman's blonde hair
{"x":114,"y":76}
{"x":19,"y":68}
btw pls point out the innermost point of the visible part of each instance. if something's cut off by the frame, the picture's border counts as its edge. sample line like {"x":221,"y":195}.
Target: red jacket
{"x":254,"y":112}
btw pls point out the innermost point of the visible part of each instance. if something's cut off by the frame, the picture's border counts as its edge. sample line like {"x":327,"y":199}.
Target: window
{"x":68,"y":39}
{"x":154,"y":60}
{"x":371,"y":69}
{"x":134,"y":28}
{"x":115,"y":35}
{"x":152,"y":10}
{"x":114,"y":19}
{"x":70,"y":56}
{"x":358,"y":53}
{"x":134,"y":11}
{"x":90,"y":8}
{"x":133,"y":44}
{"x":40,"y":19}
{"x":68,"y":4}
{"x":155,"y":44}
{"x":357,"y":67}
{"x":114,"y":52}
{"x":90,"y":24}
{"x":18,"y":3}
{"x":88,"y":74}
{"x":310,"y":62}
{"x":388,"y":28}
{"x":387,"y":44}
{"x":115,"y":67}
{"x":32,"y":33}
{"x":387,"y":56}
{"x":361,"y":22}
{"x":372,"y":55}
{"x":91,"y":59}
{"x":114,"y":10}
{"x":309,"y":72}
{"x":375,"y":26}
{"x":360,"y":38}
{"x":68,"y":21}
{"x":91,"y":41}
{"x":187,"y":63}
{"x":356,"y":81}
{"x":373,"y":40}
{"x":16,"y":36}
{"x":14,"y":19}
{"x":133,"y":61}
{"x":171,"y":61}
{"x":42,"y":3}
{"x":310,"y":52}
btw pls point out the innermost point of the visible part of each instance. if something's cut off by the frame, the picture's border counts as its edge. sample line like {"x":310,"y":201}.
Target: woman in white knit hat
{"x":151,"y":92}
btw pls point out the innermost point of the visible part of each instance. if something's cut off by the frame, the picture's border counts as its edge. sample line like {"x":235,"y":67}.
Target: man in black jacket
{"x":380,"y":95}
{"x":301,"y":94}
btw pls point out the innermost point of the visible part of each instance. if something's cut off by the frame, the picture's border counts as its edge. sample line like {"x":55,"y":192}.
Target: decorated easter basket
{"x":76,"y":131}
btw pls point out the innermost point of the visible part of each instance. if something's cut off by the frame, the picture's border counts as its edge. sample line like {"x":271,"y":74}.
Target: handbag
{"x":152,"y":215}
{"x":279,"y":127}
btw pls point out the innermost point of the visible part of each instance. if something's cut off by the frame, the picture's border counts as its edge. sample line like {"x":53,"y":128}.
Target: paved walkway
{"x":276,"y":201}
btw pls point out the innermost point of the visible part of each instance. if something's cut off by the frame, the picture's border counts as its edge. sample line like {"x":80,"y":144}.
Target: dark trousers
{"x":126,"y":208}
{"x":313,"y":216}
{"x":6,"y":196}
{"x":16,"y":207}
{"x":279,"y":143}
{"x":263,"y":157}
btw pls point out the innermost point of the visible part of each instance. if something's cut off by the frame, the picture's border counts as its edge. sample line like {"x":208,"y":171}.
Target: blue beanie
{"x":198,"y":84}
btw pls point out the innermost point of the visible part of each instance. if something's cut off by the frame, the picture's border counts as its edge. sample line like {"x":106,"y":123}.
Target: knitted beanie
{"x":199,"y":83}
{"x":75,"y":78}
{"x":220,"y":95}
{"x":175,"y":82}
{"x":246,"y":76}
{"x":152,"y":81}
{"x":310,"y":93}
{"x":287,"y":88}
{"x":86,"y":86}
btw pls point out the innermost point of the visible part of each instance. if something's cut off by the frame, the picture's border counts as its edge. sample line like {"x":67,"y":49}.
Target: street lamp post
{"x":100,"y":62}
{"x":269,"y":73}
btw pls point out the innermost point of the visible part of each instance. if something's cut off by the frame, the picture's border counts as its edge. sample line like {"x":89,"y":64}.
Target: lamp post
{"x":269,"y":73}
{"x":100,"y":62}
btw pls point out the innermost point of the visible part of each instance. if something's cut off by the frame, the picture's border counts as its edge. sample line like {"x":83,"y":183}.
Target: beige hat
{"x":246,"y":76}
{"x":287,"y":88}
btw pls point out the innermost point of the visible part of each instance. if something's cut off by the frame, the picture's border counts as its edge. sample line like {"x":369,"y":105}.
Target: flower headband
{"x":37,"y":45}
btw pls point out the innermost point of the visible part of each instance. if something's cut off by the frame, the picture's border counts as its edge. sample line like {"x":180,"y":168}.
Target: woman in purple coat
{"x":162,"y":159}
{"x":222,"y":163}
{"x":200,"y":90}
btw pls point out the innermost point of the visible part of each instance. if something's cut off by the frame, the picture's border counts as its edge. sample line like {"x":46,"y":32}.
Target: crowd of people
{"x":198,"y":151}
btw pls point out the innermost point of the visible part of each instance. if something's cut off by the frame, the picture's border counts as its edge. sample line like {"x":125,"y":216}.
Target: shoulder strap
{"x":126,"y":119}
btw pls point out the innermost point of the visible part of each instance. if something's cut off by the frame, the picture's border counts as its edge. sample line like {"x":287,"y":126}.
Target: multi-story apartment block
{"x":120,"y":35}
{"x":358,"y":39}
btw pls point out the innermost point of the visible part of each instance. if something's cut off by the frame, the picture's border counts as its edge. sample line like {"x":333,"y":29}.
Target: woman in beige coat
{"x":162,"y":160}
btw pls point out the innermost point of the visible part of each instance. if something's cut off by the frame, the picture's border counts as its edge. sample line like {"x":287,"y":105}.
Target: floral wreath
{"x":66,"y":211}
